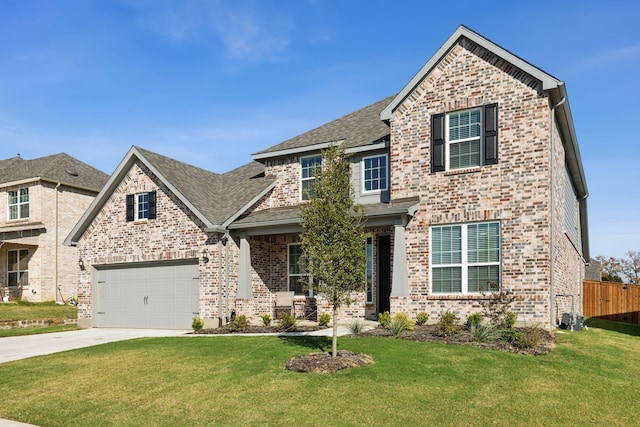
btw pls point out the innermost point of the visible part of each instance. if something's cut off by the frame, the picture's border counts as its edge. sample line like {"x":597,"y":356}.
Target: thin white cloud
{"x":246,"y":30}
{"x":614,"y":57}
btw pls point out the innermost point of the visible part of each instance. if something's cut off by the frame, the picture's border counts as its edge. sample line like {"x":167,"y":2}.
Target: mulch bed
{"x":325,"y":363}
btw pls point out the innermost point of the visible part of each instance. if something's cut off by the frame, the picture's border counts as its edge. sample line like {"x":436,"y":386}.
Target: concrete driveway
{"x":16,"y":348}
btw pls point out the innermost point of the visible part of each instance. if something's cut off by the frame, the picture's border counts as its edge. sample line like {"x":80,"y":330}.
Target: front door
{"x":384,"y":273}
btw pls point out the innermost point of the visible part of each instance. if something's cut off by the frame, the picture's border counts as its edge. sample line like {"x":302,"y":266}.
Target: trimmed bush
{"x":197,"y":323}
{"x":384,"y":319}
{"x":448,"y":325}
{"x":474,"y":319}
{"x":241,"y":323}
{"x":422,"y":318}
{"x":403,"y":318}
{"x":266,"y":319}
{"x":324,"y":319}
{"x":286,"y":322}
{"x":510,"y":319}
{"x":510,"y":335}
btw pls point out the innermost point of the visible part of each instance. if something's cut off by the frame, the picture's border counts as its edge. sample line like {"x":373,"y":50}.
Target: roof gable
{"x":548,"y":81}
{"x":211,"y":197}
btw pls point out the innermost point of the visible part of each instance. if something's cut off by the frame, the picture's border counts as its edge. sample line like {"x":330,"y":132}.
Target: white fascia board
{"x":20,"y":182}
{"x":548,"y":81}
{"x":288,"y":151}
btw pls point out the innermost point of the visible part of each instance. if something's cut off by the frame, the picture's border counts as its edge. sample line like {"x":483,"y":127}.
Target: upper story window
{"x":465,"y":258}
{"x":309,"y":166}
{"x":141,"y":206}
{"x":375,"y":173}
{"x":464,"y":139}
{"x":18,"y":203}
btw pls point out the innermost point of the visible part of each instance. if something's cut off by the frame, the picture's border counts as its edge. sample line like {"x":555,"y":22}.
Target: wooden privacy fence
{"x":611,"y":301}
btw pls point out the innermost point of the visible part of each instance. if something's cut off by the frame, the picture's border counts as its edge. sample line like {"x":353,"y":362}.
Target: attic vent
{"x":71,"y":172}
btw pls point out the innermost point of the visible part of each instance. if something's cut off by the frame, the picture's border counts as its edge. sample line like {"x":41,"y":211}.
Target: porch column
{"x":400,"y":278}
{"x":244,"y":270}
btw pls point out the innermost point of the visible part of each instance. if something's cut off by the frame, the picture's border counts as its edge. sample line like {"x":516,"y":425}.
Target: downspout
{"x":57,"y":291}
{"x":219,"y":282}
{"x":551,"y":227}
{"x":225,"y":241}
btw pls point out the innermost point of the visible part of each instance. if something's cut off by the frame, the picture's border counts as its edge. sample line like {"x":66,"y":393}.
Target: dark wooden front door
{"x":384,"y":273}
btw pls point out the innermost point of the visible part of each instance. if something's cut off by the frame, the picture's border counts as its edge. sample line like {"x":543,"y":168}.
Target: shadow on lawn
{"x":621,"y":327}
{"x":322,"y":344}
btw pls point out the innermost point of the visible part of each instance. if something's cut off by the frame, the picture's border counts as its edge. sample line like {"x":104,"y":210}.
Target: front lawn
{"x":36,"y":311}
{"x":590,"y":378}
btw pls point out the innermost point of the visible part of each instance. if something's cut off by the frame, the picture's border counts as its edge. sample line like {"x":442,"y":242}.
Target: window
{"x":309,"y":166}
{"x":374,"y":171}
{"x":297,"y":271}
{"x":141,"y":206}
{"x":464,"y":139}
{"x":18,"y":267}
{"x":369,"y":281}
{"x":465,"y":258}
{"x":19,"y":203}
{"x":571,"y":211}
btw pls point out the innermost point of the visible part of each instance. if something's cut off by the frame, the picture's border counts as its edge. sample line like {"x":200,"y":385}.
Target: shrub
{"x":531,"y":337}
{"x":409,"y":324}
{"x":422,"y":318}
{"x":496,"y":308}
{"x":474,"y":319}
{"x":484,"y":333}
{"x":324,"y":319}
{"x":241,"y":323}
{"x":510,"y":319}
{"x":356,"y":327}
{"x":266,"y":319}
{"x":397,"y":327}
{"x":448,"y":325}
{"x":510,"y":335}
{"x":197,"y":323}
{"x":286,"y":322}
{"x":384,"y":319}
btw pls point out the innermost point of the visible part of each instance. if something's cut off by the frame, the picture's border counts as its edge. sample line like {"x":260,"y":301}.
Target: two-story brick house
{"x":44,"y":198}
{"x":471,"y":180}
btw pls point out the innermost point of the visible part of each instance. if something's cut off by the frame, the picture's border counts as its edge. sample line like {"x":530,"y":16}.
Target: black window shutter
{"x":437,"y":143}
{"x":130,"y":207}
{"x":491,"y":134}
{"x":152,"y":205}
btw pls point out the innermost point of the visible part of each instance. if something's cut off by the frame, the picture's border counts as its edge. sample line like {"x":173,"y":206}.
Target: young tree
{"x":333,"y":240}
{"x":611,"y":268}
{"x":631,"y":266}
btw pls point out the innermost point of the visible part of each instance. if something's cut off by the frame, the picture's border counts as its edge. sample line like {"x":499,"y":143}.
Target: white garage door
{"x":154,"y":295}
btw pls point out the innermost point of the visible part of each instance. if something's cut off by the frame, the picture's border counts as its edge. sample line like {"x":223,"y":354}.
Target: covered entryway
{"x":162,"y":295}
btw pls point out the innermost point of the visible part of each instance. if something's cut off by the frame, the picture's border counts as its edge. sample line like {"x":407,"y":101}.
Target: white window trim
{"x":19,"y":204}
{"x":448,"y":142}
{"x":136,"y":203}
{"x":464,"y":265}
{"x":289,"y":275}
{"x":306,"y":179}
{"x":386,"y":188}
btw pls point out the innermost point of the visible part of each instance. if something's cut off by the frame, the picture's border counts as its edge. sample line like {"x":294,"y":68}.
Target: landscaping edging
{"x":13,"y":324}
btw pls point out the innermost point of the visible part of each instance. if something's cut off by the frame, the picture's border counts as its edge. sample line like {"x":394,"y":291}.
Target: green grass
{"x":590,"y":379}
{"x":36,"y":311}
{"x":36,"y":330}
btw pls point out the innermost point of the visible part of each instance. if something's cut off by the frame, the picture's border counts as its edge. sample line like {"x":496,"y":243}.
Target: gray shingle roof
{"x":360,"y":128}
{"x":56,"y":168}
{"x":216,"y":196}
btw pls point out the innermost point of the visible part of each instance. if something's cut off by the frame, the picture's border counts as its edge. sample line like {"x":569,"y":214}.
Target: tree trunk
{"x":334,"y":344}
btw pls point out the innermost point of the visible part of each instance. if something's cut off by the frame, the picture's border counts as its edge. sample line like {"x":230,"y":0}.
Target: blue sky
{"x":211,"y":82}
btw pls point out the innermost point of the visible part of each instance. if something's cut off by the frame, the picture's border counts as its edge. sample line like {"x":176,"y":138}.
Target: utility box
{"x":575,"y":318}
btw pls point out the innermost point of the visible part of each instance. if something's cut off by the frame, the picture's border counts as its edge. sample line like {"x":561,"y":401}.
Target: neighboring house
{"x":471,"y":179}
{"x":593,"y":270}
{"x":44,"y":198}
